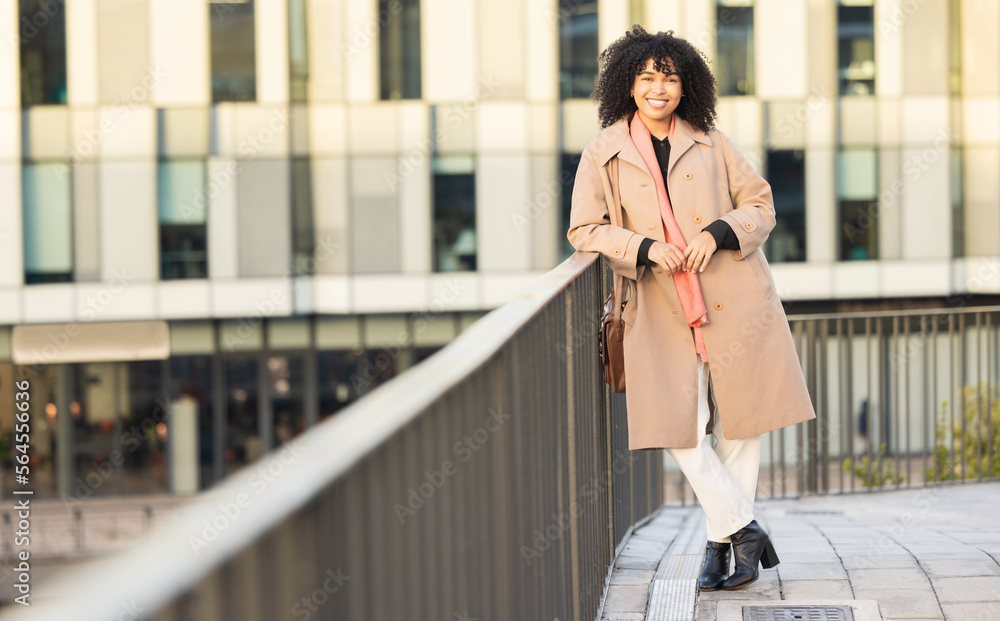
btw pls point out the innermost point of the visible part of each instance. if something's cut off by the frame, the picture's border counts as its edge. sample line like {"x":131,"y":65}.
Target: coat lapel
{"x":630,"y":154}
{"x":684,"y":137}
{"x":616,"y":140}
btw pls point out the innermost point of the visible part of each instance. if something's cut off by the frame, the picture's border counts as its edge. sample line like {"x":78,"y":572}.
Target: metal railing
{"x":491,"y":481}
{"x":902,"y":398}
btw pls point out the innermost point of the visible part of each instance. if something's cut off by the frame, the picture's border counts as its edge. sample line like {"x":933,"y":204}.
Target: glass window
{"x":399,"y":49}
{"x":303,"y":235}
{"x":567,"y":177}
{"x":234,"y":70}
{"x":345,"y":375}
{"x":955,"y":47}
{"x":577,"y":48}
{"x":95,"y":398}
{"x":287,"y":377}
{"x":786,"y":172}
{"x":956,"y":159}
{"x":856,"y":47}
{"x":857,"y":193}
{"x":182,"y":207}
{"x":243,"y":441}
{"x":7,"y":425}
{"x":48,"y":223}
{"x":143,"y":435}
{"x":42,"y":30}
{"x":734,"y":41}
{"x":298,"y":52}
{"x":454,"y":213}
{"x":43,"y":452}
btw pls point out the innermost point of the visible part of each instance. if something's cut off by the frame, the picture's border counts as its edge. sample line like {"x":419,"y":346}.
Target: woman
{"x":694,"y":215}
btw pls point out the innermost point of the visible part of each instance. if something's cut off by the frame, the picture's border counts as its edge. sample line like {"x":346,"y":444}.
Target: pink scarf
{"x":688,"y":287}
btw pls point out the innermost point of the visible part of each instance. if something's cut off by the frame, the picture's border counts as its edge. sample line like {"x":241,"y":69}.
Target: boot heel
{"x":769,"y":558}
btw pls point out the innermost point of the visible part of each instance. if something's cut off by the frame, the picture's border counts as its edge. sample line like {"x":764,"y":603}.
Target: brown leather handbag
{"x":611,"y":345}
{"x":610,"y":339}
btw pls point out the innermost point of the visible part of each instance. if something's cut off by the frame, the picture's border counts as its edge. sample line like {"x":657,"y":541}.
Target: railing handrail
{"x":907,"y":312}
{"x":320,"y":457}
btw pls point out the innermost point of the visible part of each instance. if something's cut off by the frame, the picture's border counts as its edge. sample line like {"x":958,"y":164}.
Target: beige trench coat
{"x":757,"y":382}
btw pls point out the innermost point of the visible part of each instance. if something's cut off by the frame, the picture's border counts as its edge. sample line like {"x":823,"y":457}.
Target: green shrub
{"x":980,"y":442}
{"x":874,"y":472}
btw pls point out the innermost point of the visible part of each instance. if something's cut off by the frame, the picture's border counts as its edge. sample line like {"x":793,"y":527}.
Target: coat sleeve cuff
{"x":642,"y":256}
{"x":725,"y":238}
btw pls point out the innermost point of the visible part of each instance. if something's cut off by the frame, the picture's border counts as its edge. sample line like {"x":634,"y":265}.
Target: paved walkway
{"x":70,"y":533}
{"x":931,"y":553}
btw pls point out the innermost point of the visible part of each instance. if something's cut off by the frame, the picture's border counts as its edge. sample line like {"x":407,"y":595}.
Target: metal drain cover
{"x":797,"y":613}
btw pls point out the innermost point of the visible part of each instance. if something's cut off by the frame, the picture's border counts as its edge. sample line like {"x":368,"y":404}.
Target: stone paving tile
{"x":968,"y":554}
{"x":624,"y":616}
{"x":636,"y":562}
{"x":967,"y":589}
{"x":812,"y":571}
{"x":643,"y":548}
{"x":816,"y":589}
{"x":889,"y":578}
{"x":627,"y":598}
{"x":632,"y":576}
{"x":765,"y":587}
{"x":903,"y":603}
{"x":976,"y":536}
{"x":707,"y":610}
{"x":972,"y":612}
{"x":820,"y":556}
{"x":876,"y":561}
{"x":960,"y":567}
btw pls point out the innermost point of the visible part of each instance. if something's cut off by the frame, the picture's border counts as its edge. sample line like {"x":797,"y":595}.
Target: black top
{"x":723,"y":233}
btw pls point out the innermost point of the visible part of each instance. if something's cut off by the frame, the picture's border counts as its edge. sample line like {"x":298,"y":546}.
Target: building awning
{"x":90,"y":342}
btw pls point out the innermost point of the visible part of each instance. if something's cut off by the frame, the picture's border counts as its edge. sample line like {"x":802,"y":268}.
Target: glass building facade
{"x":312,"y":197}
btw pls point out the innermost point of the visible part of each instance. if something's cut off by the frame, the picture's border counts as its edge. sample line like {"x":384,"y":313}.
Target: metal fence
{"x":902,"y":398}
{"x":491,"y":481}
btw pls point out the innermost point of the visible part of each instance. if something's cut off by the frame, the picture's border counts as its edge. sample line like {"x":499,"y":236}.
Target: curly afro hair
{"x":621,"y":61}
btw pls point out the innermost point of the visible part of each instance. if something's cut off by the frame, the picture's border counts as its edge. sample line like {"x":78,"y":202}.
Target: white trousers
{"x":724,"y":477}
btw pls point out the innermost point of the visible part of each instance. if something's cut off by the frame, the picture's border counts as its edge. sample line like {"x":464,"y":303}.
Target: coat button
{"x":697,"y":219}
{"x":687,"y":175}
{"x":616,"y":251}
{"x":718,"y":306}
{"x":749,"y":225}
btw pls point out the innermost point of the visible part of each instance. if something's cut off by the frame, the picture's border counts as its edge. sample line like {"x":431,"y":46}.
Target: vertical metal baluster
{"x":800,"y":467}
{"x":961,"y":387}
{"x":849,"y":381}
{"x":883,"y":397}
{"x":821,"y":397}
{"x":908,"y":412}
{"x":933,"y":363}
{"x":951,"y":387}
{"x":868,"y":392}
{"x":844,"y":428}
{"x":979,"y":397}
{"x":990,"y":388}
{"x":894,"y":435}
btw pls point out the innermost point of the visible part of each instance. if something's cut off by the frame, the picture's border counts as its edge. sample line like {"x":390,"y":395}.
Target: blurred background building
{"x":247,"y":214}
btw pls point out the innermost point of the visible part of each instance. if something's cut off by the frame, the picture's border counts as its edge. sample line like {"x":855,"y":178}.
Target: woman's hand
{"x":698,"y":252}
{"x":667,"y":255}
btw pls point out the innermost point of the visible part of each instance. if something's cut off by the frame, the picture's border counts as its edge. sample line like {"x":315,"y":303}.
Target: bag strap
{"x":616,"y":219}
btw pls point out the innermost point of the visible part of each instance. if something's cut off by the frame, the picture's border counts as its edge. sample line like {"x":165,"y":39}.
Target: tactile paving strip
{"x":672,"y":597}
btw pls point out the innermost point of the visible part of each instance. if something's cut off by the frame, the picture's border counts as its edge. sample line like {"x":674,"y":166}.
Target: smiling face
{"x":657,"y":95}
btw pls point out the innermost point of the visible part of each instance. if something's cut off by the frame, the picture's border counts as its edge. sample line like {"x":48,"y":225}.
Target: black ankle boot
{"x":716,"y":566}
{"x":751,"y":546}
